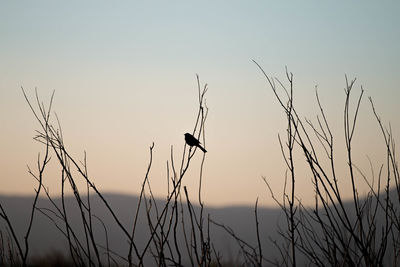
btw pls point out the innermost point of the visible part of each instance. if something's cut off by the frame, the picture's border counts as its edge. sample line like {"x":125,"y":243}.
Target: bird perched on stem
{"x":192,"y":141}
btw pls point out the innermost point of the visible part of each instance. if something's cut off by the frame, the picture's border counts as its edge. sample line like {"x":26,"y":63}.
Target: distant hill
{"x":46,"y":238}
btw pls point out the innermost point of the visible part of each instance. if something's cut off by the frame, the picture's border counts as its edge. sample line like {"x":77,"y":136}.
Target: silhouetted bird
{"x":192,"y":141}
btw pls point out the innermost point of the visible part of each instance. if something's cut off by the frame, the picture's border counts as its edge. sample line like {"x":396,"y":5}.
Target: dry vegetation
{"x":333,"y":232}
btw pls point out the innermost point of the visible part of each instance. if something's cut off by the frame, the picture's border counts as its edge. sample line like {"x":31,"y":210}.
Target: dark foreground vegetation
{"x":179,"y":229}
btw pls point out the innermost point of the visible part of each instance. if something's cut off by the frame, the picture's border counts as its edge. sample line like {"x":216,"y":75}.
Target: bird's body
{"x":192,"y":141}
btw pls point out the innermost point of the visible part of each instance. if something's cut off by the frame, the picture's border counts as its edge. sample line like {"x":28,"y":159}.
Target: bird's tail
{"x":202,"y":148}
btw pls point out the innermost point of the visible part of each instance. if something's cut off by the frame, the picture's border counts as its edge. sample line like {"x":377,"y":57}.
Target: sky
{"x":124,"y":76}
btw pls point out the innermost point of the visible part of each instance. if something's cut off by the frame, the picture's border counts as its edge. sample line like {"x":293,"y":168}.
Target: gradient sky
{"x":124,"y":76}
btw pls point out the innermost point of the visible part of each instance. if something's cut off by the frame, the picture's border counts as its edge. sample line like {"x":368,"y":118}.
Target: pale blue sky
{"x":124,"y":75}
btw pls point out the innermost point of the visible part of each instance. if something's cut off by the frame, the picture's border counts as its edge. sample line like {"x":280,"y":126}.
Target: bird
{"x":192,"y":141}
